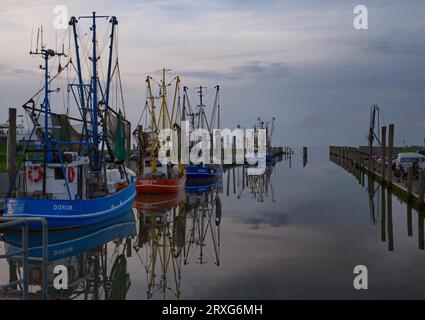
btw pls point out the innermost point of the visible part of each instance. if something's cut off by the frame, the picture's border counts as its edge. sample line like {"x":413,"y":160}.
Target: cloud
{"x":396,"y":42}
{"x":10,"y":70}
{"x":267,"y":218}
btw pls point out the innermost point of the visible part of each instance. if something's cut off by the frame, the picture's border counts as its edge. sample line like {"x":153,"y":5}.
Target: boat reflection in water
{"x":176,"y":230}
{"x":163,"y":235}
{"x":95,"y":271}
{"x":259,"y":187}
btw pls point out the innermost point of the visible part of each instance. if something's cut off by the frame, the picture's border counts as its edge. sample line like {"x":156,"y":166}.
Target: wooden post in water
{"x":421,"y":229}
{"x":409,"y":220}
{"x":304,"y":156}
{"x":383,"y":215}
{"x":390,"y":221}
{"x":421,"y":187}
{"x":11,"y":147}
{"x":234,"y":181}
{"x":383,"y":152}
{"x":390,"y":155}
{"x":409,"y":181}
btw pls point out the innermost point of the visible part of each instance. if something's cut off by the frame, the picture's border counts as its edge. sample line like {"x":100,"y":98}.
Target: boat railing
{"x":22,"y":223}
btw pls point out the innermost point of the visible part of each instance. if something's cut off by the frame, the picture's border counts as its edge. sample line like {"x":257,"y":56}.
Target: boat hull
{"x":65,"y":214}
{"x":160,"y":186}
{"x":202,"y":172}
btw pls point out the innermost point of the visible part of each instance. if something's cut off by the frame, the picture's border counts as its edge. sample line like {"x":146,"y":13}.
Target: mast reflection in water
{"x":148,"y":247}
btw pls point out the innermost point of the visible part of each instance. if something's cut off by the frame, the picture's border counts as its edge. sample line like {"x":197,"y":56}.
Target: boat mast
{"x":95,"y":124}
{"x":94,"y":84}
{"x":154,"y":126}
{"x":201,"y":112}
{"x":164,"y":107}
{"x":73,"y":23}
{"x":176,"y":91}
{"x":47,"y":147}
{"x":108,"y":84}
{"x":218,"y":107}
{"x":114,"y":22}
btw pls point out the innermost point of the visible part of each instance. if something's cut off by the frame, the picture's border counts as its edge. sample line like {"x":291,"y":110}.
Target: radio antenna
{"x":38,"y":38}
{"x":32,"y":35}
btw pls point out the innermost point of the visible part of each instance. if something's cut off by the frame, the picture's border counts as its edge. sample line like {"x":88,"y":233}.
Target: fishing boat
{"x":199,"y":120}
{"x":155,"y":177}
{"x":270,"y":151}
{"x":74,"y":175}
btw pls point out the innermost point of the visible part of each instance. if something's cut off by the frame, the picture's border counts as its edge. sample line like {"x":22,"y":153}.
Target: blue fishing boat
{"x":203,"y":172}
{"x":75,"y":175}
{"x":198,"y":120}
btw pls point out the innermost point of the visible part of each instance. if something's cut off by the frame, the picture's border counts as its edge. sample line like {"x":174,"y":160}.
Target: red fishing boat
{"x":155,"y":177}
{"x":161,"y":185}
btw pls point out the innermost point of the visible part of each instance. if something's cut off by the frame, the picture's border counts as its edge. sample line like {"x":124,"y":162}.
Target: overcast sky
{"x":300,"y":61}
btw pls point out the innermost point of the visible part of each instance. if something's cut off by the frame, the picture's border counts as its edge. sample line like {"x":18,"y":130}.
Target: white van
{"x":408,"y":158}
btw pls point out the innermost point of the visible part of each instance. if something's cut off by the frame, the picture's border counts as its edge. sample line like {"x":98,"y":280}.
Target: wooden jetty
{"x":408,"y":189}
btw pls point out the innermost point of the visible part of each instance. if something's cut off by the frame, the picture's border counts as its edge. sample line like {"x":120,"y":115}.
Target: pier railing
{"x":22,"y":252}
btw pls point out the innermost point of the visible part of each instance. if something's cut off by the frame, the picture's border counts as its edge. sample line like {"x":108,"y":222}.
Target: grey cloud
{"x":252,"y":69}
{"x":396,"y":43}
{"x":9,"y":70}
{"x":267,"y":218}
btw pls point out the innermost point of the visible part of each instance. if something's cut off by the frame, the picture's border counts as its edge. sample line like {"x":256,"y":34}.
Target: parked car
{"x":406,"y":160}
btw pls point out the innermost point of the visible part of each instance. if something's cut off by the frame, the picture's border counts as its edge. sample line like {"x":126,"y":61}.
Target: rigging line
{"x":51,"y":79}
{"x":210,"y":95}
{"x":122,"y":95}
{"x":116,"y":95}
{"x":85,"y":47}
{"x":101,"y":71}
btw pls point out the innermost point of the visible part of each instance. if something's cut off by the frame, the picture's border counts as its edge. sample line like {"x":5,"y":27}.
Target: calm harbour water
{"x":299,"y":234}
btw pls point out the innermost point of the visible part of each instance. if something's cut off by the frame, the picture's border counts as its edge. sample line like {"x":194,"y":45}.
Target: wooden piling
{"x":11,"y":147}
{"x":390,"y":155}
{"x":390,"y":221}
{"x":421,"y":241}
{"x":409,"y":220}
{"x":421,"y":187}
{"x":305,"y":153}
{"x":409,"y":181}
{"x":383,"y":151}
{"x":383,"y":215}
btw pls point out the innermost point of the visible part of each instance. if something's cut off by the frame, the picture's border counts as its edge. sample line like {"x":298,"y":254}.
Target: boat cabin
{"x":72,"y":179}
{"x":73,"y":170}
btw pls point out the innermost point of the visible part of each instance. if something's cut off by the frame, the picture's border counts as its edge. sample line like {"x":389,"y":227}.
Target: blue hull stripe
{"x":72,"y":213}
